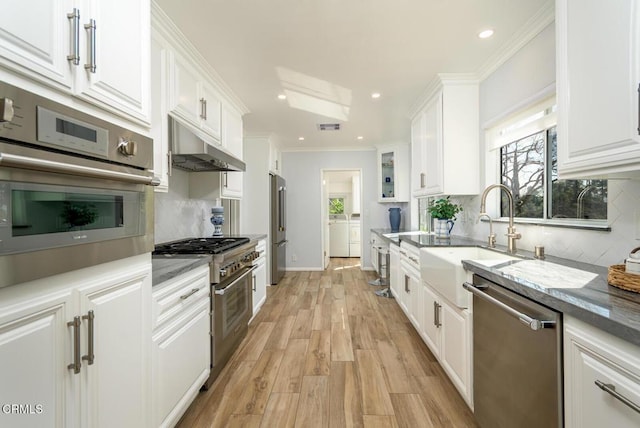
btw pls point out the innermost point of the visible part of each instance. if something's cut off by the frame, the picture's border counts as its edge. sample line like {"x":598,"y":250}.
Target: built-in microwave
{"x":75,"y":190}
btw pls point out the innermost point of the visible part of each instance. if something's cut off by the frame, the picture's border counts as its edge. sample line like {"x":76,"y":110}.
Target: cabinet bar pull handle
{"x":254,"y":283}
{"x":406,"y":284}
{"x":76,"y":345}
{"x":226,"y":180}
{"x":91,"y":27}
{"x":202,"y":114}
{"x":170,"y":162}
{"x":611,"y":389}
{"x":638,"y":108}
{"x":75,"y":37}
{"x":205,"y":109}
{"x":422,"y":176}
{"x":90,"y":355}
{"x":436,"y":314}
{"x":189,"y":294}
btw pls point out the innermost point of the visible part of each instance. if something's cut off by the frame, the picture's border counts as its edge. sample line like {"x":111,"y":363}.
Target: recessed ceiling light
{"x":375,"y":95}
{"x":300,"y":138}
{"x":485,"y":34}
{"x":282,"y":97}
{"x":360,"y":137}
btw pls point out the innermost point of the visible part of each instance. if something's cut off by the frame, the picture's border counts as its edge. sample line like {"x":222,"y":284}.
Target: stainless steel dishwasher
{"x":517,"y":359}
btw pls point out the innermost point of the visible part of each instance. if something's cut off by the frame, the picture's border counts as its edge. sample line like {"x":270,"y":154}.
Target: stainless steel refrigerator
{"x":278,"y":228}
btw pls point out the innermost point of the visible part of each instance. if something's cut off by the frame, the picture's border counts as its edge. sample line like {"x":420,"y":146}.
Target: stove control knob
{"x":128,"y":148}
{"x":223,"y":272}
{"x":6,"y":110}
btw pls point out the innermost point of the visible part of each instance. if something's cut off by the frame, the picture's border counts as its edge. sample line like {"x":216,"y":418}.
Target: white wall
{"x":530,"y":72}
{"x":303,"y":171}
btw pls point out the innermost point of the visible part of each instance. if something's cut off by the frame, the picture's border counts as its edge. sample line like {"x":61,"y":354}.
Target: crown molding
{"x":436,"y":84}
{"x":533,"y":27}
{"x":162,"y":24}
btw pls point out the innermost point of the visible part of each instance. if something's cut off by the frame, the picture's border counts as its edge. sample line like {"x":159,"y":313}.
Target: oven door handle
{"x":228,"y":288}
{"x":26,"y":162}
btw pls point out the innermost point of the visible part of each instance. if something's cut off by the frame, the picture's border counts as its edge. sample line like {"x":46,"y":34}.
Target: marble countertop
{"x":166,"y":267}
{"x":571,"y":287}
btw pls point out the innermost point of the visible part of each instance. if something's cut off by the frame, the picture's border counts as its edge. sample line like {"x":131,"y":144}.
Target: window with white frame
{"x":525,"y":149}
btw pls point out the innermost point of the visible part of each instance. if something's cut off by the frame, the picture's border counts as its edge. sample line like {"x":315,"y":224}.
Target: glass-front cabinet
{"x":393,"y":174}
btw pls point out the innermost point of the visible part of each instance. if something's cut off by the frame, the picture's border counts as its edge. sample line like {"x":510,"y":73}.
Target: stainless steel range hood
{"x":192,"y":150}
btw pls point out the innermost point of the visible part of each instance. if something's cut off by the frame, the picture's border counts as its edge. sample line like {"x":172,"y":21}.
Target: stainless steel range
{"x":231,"y":294}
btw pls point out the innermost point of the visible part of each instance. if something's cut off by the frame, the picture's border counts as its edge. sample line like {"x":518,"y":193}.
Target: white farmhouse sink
{"x":441,"y":268}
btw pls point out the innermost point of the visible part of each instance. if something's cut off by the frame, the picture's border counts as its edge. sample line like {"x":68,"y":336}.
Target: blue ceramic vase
{"x":394,"y":219}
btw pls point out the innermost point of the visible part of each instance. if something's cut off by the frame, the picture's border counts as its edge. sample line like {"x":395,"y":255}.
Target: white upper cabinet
{"x":35,"y":39}
{"x":115,"y":70}
{"x":193,"y":98}
{"x":598,"y":78}
{"x":444,"y":138}
{"x":96,"y":51}
{"x":393,"y":173}
{"x":159,"y":81}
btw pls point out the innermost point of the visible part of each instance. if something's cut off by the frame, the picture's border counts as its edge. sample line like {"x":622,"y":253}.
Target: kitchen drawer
{"x":591,"y":356}
{"x":181,"y":362}
{"x":172,"y":297}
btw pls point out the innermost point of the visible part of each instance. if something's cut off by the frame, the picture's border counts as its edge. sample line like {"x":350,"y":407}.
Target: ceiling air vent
{"x":329,"y":126}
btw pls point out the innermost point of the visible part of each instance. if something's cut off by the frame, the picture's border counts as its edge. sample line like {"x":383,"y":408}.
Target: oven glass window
{"x":40,"y":216}
{"x":39,"y":212}
{"x":235,"y":305}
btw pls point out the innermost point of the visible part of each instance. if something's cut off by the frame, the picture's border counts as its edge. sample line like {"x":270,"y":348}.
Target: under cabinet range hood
{"x":190,"y":150}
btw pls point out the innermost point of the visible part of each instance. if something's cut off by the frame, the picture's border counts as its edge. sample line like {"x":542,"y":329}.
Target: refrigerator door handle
{"x":280,"y":244}
{"x":281,"y":208}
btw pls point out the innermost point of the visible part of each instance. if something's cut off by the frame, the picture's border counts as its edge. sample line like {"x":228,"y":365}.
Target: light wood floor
{"x":325,"y":351}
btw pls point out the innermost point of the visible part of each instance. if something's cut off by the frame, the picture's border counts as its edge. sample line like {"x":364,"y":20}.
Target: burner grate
{"x":200,"y":246}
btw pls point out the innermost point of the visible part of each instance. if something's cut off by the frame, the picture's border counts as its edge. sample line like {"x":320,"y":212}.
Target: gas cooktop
{"x":200,"y":246}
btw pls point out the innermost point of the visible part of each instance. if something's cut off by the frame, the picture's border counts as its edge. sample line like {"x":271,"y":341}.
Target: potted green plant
{"x":444,"y":212}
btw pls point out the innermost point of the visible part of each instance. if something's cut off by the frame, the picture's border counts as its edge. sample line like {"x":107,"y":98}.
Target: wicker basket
{"x":621,"y":279}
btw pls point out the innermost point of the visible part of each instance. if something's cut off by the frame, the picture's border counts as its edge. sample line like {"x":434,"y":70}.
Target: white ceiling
{"x":328,"y":56}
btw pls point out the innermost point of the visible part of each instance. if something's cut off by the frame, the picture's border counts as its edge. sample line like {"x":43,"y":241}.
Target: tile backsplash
{"x":602,"y":248}
{"x":177,"y":216}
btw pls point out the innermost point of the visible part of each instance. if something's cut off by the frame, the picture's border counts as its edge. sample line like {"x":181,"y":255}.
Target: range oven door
{"x":233,"y":306}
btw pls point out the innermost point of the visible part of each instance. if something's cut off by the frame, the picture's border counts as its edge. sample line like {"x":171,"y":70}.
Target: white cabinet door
{"x":395,"y":273}
{"x":211,"y":114}
{"x":181,"y":354}
{"x":448,"y":147}
{"x":35,"y":39}
{"x":433,"y":147}
{"x":259,"y":284}
{"x":185,"y":81}
{"x":35,"y":348}
{"x":159,"y":107}
{"x":418,"y":151}
{"x":115,"y":70}
{"x":416,"y":302}
{"x":455,"y":352}
{"x":598,"y":75}
{"x":118,"y":380}
{"x":431,"y":332}
{"x":591,"y":358}
{"x":275,"y":159}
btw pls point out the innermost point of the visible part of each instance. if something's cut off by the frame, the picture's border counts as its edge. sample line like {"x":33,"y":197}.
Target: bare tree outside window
{"x":527,"y":164}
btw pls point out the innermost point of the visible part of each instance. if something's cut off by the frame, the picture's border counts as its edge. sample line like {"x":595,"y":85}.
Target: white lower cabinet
{"x":181,"y":351}
{"x":260,"y":277}
{"x":445,"y":328}
{"x":594,"y":360}
{"x":91,"y":372}
{"x":395,"y":275}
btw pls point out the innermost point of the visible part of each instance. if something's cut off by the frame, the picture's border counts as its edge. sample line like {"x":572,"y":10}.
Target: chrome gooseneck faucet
{"x":512,"y":235}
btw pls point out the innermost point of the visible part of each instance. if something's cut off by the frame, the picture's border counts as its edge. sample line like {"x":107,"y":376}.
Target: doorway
{"x":341,"y":214}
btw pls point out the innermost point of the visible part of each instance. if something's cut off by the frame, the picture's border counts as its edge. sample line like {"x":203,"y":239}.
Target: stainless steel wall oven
{"x":75,"y":190}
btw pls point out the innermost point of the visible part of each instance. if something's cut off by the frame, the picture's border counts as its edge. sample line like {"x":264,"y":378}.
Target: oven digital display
{"x":75,"y":130}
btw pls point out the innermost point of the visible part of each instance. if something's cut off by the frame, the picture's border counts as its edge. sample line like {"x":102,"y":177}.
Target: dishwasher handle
{"x":533,"y":323}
